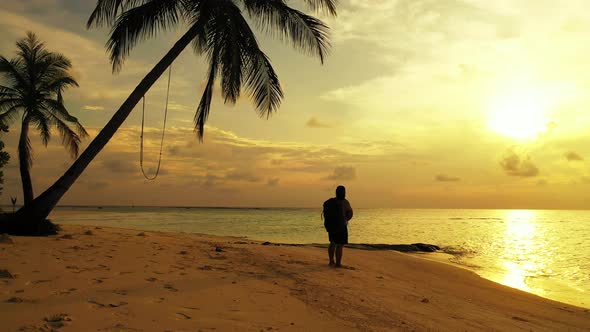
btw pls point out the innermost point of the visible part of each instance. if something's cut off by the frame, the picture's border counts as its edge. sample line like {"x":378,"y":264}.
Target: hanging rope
{"x":163,"y":132}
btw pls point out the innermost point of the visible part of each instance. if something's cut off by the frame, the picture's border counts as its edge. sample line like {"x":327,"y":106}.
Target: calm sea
{"x":545,"y":252}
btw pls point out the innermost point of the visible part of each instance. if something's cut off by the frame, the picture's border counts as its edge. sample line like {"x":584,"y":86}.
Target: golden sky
{"x":421,"y":104}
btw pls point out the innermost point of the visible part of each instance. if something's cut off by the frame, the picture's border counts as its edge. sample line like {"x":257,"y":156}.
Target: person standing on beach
{"x":337,"y":212}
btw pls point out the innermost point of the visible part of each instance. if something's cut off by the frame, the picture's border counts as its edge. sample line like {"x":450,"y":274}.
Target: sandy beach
{"x":109,"y":279}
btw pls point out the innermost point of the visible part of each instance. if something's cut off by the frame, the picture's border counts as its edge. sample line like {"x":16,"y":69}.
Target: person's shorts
{"x":339,"y":237}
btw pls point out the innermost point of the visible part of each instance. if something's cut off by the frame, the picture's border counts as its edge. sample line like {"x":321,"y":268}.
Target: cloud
{"x":151,"y":171}
{"x":228,"y":169}
{"x":419,"y":23}
{"x":95,"y":185}
{"x":427,"y":48}
{"x":342,"y":173}
{"x":239,"y":175}
{"x":174,"y":150}
{"x":542,"y":182}
{"x":92,"y":108}
{"x":446,"y":178}
{"x":573,"y":156}
{"x":514,"y":165}
{"x":313,"y":122}
{"x":119,"y":166}
{"x":212,"y":180}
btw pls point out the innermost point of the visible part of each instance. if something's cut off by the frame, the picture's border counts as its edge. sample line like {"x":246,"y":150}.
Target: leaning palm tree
{"x":218,"y":30}
{"x":35,"y":80}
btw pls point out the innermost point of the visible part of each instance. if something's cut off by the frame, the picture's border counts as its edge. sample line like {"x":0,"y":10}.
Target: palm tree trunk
{"x":23,"y":160}
{"x":40,"y":208}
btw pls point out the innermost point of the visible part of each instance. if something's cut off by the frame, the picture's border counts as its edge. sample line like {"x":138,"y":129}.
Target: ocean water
{"x":545,"y":252}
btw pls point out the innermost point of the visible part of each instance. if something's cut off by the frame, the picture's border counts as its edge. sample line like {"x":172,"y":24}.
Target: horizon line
{"x":292,"y":207}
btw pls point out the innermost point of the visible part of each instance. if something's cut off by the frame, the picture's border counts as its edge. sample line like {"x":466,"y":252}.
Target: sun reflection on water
{"x":522,"y":259}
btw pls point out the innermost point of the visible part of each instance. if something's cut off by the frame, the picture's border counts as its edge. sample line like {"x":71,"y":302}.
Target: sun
{"x":520,"y":115}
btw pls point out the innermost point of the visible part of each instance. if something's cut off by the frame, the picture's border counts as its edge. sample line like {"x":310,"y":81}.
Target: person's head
{"x":340,"y":192}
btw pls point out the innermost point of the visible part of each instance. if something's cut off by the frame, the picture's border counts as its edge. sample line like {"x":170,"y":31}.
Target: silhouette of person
{"x":337,"y":213}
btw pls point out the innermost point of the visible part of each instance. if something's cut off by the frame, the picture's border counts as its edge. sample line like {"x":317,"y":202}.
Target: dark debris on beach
{"x":414,"y":247}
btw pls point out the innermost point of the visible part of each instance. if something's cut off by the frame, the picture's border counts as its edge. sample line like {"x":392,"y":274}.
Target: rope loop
{"x":141,"y":148}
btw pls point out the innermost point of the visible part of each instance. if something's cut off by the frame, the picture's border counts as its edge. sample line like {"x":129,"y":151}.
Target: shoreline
{"x":112,"y":279}
{"x":453,"y":258}
{"x":439,"y":256}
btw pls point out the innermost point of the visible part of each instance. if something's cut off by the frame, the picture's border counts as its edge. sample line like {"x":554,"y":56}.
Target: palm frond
{"x":106,"y":11}
{"x":139,"y":23}
{"x":260,"y":78}
{"x":32,"y":52}
{"x":8,"y":92}
{"x":226,"y":37}
{"x":60,"y":82}
{"x":326,"y":6}
{"x":54,"y":60}
{"x":51,"y":65}
{"x":9,"y":110}
{"x":30,"y":47}
{"x":58,"y":110}
{"x":263,"y":83}
{"x":42,"y":126}
{"x":14,"y":71}
{"x":7,"y":104}
{"x":60,"y":97}
{"x":307,"y":33}
{"x":199,"y":44}
{"x":205,"y":104}
{"x":69,"y":138}
{"x":200,"y":15}
{"x":54,"y":86}
{"x":234,"y":54}
{"x":80,"y":130}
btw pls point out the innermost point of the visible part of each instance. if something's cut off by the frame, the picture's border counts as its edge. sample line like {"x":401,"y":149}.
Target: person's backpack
{"x":332,"y":214}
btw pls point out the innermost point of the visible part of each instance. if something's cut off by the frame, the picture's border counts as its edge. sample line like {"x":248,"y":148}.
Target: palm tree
{"x":36,"y":79}
{"x":218,"y":30}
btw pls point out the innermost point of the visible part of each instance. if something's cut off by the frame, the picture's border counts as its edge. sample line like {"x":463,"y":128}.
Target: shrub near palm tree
{"x":218,"y":30}
{"x":4,"y":157}
{"x":31,"y":91}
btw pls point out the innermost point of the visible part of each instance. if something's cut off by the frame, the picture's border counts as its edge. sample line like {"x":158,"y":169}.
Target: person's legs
{"x":331,"y":249}
{"x":339,"y":254}
{"x":342,"y":240}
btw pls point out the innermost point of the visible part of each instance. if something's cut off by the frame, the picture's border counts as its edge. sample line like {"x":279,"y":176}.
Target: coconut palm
{"x":217,"y":30}
{"x":35,"y":80}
